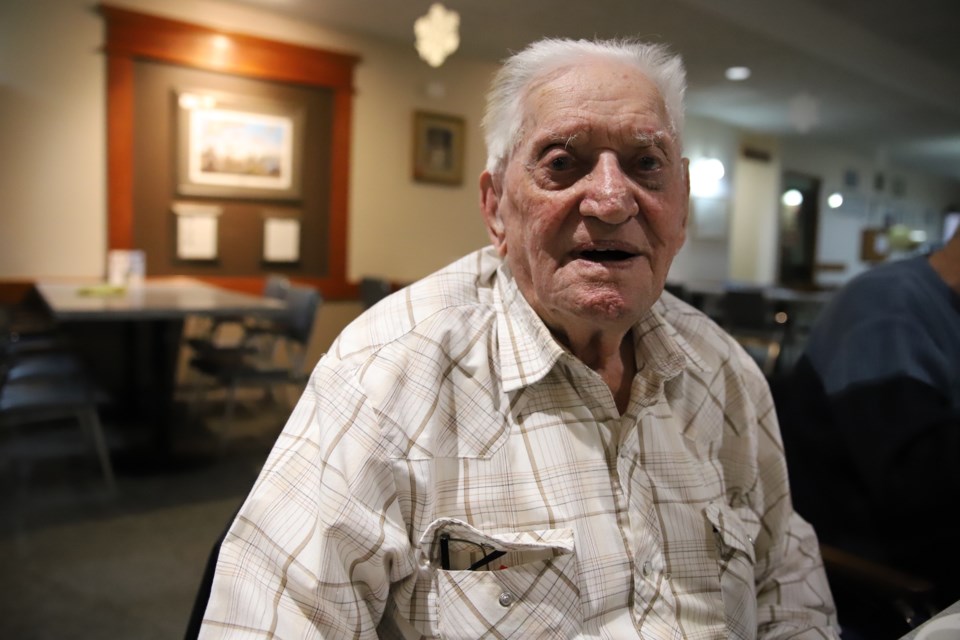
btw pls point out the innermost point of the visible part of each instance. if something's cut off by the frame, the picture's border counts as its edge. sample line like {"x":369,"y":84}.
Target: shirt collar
{"x":528,"y":351}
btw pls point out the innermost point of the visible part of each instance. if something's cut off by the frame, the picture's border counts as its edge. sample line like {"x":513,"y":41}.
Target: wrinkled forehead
{"x":616,"y":91}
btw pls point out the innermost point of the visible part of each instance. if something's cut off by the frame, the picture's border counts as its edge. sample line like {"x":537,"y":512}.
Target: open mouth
{"x":605,"y":255}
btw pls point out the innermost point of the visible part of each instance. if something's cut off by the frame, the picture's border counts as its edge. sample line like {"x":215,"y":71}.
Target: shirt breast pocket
{"x":531,"y":589}
{"x":735,"y":538}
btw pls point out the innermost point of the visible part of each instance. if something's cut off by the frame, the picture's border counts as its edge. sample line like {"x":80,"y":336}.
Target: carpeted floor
{"x":80,"y":563}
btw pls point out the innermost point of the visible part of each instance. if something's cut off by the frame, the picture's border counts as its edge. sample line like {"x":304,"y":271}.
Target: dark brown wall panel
{"x":146,"y":56}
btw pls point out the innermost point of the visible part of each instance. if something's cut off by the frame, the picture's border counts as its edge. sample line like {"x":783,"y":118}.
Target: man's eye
{"x":560,"y":162}
{"x":648,"y":163}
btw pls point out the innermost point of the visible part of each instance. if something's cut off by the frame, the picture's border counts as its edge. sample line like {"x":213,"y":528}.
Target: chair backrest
{"x":372,"y":290}
{"x":276,"y":286}
{"x":747,"y":315}
{"x":764,"y":349}
{"x":302,"y":305}
{"x":745,"y":309}
{"x":678,"y":289}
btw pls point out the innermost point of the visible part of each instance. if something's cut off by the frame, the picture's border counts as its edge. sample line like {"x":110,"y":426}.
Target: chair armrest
{"x":850,"y":566}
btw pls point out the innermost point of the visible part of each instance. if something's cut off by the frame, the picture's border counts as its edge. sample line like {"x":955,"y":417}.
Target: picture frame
{"x":438,"y":144}
{"x":237,"y":146}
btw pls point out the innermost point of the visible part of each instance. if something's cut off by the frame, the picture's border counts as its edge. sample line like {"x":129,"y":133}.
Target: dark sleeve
{"x":904,"y":441}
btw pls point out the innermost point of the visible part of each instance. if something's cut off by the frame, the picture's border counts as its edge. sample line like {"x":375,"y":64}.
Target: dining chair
{"x":237,"y":332}
{"x":747,"y":315}
{"x":38,"y":390}
{"x":875,"y":600}
{"x":26,"y":326}
{"x":282,"y":362}
{"x":373,"y":290}
{"x":678,"y":289}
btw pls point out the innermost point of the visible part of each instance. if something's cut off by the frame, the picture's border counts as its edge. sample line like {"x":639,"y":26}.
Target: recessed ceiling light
{"x":738,"y":73}
{"x":792,"y":198}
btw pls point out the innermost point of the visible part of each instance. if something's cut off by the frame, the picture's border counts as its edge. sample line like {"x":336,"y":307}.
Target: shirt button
{"x":647,"y":569}
{"x":506,"y":599}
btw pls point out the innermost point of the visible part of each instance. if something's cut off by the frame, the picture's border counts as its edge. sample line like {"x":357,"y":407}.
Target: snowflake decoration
{"x":804,"y":112}
{"x":437,"y":34}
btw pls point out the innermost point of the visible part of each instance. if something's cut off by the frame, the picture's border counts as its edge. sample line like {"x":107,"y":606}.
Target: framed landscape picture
{"x":236,"y":146}
{"x":438,"y":142}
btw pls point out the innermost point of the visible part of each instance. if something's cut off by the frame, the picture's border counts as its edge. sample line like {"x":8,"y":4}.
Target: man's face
{"x":591,"y":207}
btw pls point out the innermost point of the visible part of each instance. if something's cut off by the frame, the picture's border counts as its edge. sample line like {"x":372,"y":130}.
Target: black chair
{"x":373,"y":290}
{"x":747,"y":315}
{"x":280,"y":358}
{"x":202,"y":599}
{"x":678,"y":289}
{"x":38,"y":389}
{"x":213,"y":333}
{"x":875,"y":600}
{"x":28,"y":327}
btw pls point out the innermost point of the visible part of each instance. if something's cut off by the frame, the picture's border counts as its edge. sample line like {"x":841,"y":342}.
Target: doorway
{"x":797,"y":235}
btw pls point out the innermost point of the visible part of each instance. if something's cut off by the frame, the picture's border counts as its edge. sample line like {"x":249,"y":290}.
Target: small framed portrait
{"x":438,"y":142}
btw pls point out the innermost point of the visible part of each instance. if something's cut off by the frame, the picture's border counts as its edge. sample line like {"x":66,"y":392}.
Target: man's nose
{"x":608,"y":193}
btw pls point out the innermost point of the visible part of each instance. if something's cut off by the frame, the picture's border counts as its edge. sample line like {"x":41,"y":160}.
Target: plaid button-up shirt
{"x":446,"y":424}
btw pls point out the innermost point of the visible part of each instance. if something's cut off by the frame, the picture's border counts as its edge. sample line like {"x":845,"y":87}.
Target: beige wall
{"x":52,"y":218}
{"x":52,"y":128}
{"x":753,"y":229}
{"x":53,"y":178}
{"x":920,"y":205}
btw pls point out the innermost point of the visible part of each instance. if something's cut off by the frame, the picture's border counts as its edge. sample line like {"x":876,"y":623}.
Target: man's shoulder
{"x":687,"y":319}
{"x":888,"y":297}
{"x":887,"y":284}
{"x":427,"y":313}
{"x":420,"y":361}
{"x":698,"y":335}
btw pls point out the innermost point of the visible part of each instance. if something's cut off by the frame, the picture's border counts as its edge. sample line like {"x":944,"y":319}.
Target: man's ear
{"x":686,"y":190}
{"x":490,"y":208}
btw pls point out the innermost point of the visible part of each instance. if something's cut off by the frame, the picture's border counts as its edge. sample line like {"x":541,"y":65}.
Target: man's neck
{"x":611,"y":356}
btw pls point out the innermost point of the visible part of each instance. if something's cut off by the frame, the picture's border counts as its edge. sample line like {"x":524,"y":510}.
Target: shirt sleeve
{"x":319,"y":541}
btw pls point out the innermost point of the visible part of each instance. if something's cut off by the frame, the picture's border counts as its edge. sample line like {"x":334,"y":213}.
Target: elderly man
{"x":534,"y":442}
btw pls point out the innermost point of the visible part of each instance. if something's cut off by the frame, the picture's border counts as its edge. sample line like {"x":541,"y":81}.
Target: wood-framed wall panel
{"x":132,"y":35}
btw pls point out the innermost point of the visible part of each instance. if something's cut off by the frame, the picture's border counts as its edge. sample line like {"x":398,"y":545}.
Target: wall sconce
{"x":706,"y":175}
{"x":438,"y":34}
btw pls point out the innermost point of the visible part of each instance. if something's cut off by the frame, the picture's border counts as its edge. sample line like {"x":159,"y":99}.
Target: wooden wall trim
{"x":131,"y":35}
{"x":120,"y":152}
{"x":13,"y":291}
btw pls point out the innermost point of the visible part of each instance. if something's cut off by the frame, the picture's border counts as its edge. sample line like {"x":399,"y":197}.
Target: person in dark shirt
{"x":871,"y":419}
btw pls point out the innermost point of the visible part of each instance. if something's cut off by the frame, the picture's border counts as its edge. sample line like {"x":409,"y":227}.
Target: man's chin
{"x":608,"y":303}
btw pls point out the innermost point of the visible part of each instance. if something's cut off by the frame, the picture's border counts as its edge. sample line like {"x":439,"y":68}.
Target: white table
{"x":146,"y":321}
{"x":156,"y":299}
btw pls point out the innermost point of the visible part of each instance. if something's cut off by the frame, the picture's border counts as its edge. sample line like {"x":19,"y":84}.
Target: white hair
{"x":504,"y":113}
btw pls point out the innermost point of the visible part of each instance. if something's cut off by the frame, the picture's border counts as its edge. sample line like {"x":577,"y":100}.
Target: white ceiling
{"x":885,"y":75}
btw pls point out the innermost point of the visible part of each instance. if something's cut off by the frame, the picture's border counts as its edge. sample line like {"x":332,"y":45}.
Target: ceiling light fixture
{"x":792,"y":198}
{"x":438,"y":34}
{"x":804,"y":112}
{"x":737,"y":74}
